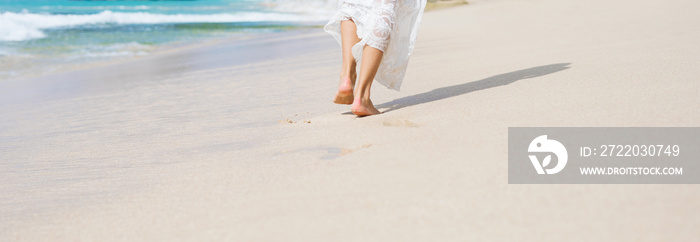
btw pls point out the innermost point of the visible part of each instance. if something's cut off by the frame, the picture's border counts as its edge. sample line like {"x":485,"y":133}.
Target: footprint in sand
{"x":290,"y":121}
{"x":329,"y":152}
{"x":338,"y":152}
{"x":399,"y":123}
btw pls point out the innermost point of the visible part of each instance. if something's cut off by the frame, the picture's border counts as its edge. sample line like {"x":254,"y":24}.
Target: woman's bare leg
{"x":362,"y":105}
{"x":348,"y":74}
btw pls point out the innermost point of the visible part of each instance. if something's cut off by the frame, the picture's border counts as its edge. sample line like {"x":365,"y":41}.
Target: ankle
{"x":365,"y":100}
{"x":348,"y":71}
{"x":361,"y":96}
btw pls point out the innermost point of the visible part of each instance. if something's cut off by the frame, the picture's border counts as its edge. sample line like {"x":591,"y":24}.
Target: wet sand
{"x":256,"y":150}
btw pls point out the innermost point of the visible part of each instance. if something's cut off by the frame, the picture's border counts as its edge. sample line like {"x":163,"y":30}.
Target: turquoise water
{"x":36,"y":35}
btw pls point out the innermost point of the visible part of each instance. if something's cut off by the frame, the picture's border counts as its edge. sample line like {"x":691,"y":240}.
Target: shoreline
{"x":180,"y":59}
{"x":60,"y":68}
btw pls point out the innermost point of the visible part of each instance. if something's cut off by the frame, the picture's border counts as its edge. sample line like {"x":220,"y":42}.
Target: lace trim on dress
{"x":388,"y":25}
{"x":373,"y":25}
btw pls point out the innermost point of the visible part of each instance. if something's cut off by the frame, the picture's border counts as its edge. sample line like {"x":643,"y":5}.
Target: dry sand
{"x":258,"y":152}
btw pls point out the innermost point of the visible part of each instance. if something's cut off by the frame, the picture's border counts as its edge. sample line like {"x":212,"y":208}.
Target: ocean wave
{"x":139,"y":7}
{"x":27,"y":26}
{"x":324,"y":7}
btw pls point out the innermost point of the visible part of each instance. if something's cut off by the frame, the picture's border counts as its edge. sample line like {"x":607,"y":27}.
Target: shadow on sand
{"x":456,"y":90}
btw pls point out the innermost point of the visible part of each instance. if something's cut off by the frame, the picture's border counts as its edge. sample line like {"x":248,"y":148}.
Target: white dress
{"x":388,"y":25}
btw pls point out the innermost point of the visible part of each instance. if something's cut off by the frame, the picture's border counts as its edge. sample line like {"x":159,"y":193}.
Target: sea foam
{"x":27,"y":26}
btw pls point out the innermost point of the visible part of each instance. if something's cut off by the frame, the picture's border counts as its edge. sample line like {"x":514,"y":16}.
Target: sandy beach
{"x":239,"y":140}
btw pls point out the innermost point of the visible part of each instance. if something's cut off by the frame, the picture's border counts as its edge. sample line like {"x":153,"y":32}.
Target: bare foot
{"x":344,"y":95}
{"x":363,"y":108}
